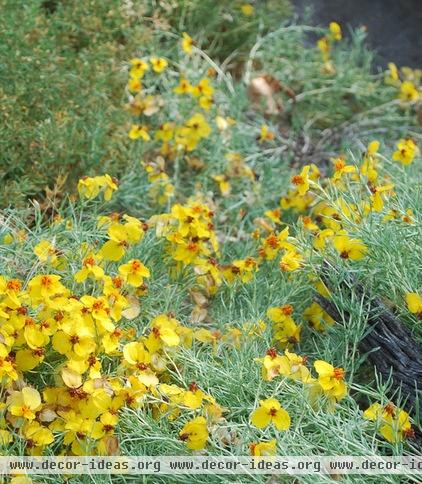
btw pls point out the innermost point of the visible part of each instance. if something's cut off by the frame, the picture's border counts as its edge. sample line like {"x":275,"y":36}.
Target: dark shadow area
{"x":394,"y":26}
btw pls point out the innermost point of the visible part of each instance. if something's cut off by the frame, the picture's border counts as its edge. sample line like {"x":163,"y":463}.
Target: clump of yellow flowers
{"x":82,"y":317}
{"x":325,"y":44}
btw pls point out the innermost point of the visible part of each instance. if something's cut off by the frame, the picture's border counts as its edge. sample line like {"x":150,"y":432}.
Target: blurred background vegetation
{"x":62,"y":78}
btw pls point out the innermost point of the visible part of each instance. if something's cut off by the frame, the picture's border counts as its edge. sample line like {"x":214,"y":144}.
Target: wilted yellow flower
{"x":264,"y":448}
{"x":317,"y":317}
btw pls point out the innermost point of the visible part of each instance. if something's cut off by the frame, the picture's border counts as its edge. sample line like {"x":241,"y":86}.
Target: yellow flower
{"x":270,"y":412}
{"x":320,"y":238}
{"x":194,"y":397}
{"x":331,"y":379}
{"x":138,"y":67}
{"x":293,"y":366}
{"x":247,"y":9}
{"x":134,"y":272}
{"x":187,"y":43}
{"x":136,"y":355}
{"x":8,"y":239}
{"x":279,"y":314}
{"x":373,"y":148}
{"x":165,"y":133}
{"x":266,"y":134}
{"x":195,"y":433}
{"x":348,"y":248}
{"x":335,"y":31}
{"x":28,"y":359}
{"x":90,"y":268}
{"x":222,"y":125}
{"x":271,"y":364}
{"x":134,"y":85}
{"x":289,"y":365}
{"x":21,"y":480}
{"x":198,"y":126}
{"x":264,"y":448}
{"x":406,"y":151}
{"x":34,"y":335}
{"x":7,"y":367}
{"x":317,"y":317}
{"x":109,"y":185}
{"x":287,"y":332}
{"x":291,"y":261}
{"x":5,"y":438}
{"x":223,"y":184}
{"x":244,"y":269}
{"x":308,"y":223}
{"x":377,"y":202}
{"x":121,"y":236}
{"x":192,"y":132}
{"x":158,"y":64}
{"x":414,"y":303}
{"x":409,"y":217}
{"x":164,"y":328}
{"x":11,"y":289}
{"x":203,"y":88}
{"x":369,"y":166}
{"x":78,"y":431}
{"x":341,"y":168}
{"x":41,"y":288}
{"x":206,"y":102}
{"x":393,"y":73}
{"x":91,"y":187}
{"x":394,"y":422}
{"x":324,"y":46}
{"x":408,"y":92}
{"x":139,"y":131}
{"x":88,"y":187}
{"x":45,"y":251}
{"x":99,"y":310}
{"x":184,"y":87}
{"x":37,"y":435}
{"x":301,"y":181}
{"x":76,"y":341}
{"x":187,"y":252}
{"x":274,"y":215}
{"x":24,"y":403}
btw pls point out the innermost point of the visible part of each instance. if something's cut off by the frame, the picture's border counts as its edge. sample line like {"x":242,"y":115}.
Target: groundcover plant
{"x":174,"y":310}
